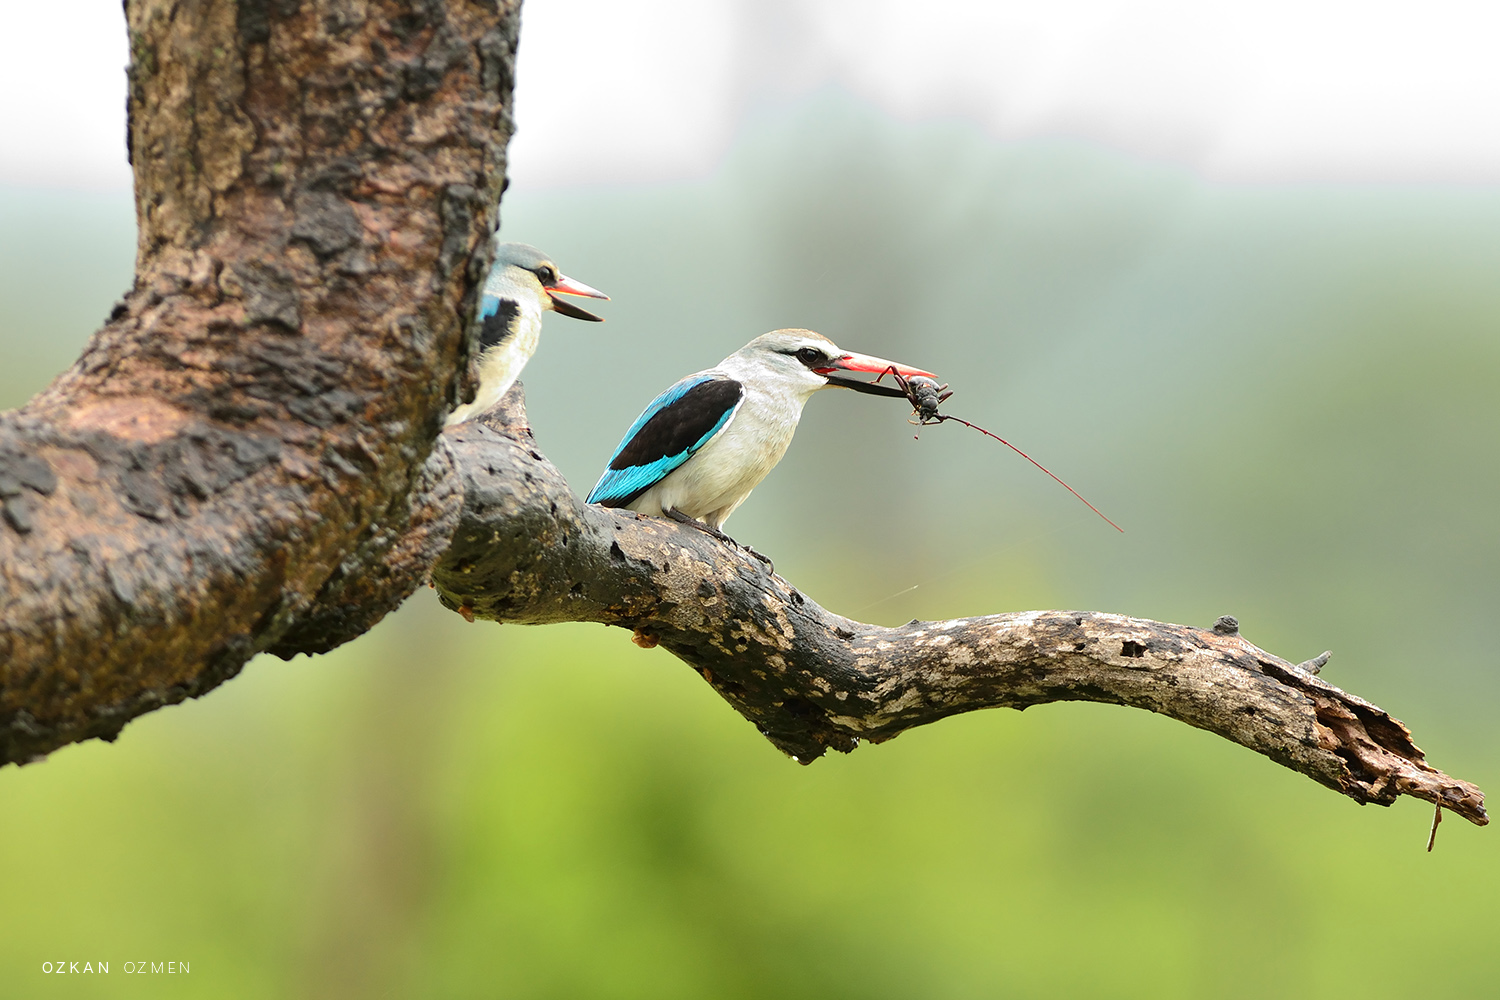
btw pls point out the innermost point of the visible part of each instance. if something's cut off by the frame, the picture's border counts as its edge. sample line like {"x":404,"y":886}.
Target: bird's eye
{"x":811,"y":355}
{"x":546,"y":274}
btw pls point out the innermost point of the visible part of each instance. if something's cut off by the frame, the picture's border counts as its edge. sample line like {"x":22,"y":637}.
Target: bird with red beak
{"x":699,"y":449}
{"x":523,"y":283}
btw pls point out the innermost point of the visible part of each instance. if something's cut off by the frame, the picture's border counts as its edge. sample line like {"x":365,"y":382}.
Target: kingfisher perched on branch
{"x":523,"y":284}
{"x":705,"y":443}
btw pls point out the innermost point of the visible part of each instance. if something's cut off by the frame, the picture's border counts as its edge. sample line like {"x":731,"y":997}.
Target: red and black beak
{"x":865,"y":363}
{"x":565,"y":285}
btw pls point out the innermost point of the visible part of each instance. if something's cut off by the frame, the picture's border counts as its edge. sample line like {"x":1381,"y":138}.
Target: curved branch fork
{"x":527,"y":551}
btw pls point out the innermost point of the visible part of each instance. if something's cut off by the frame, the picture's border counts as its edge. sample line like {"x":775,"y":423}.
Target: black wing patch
{"x":497,"y":327}
{"x":680,"y":425}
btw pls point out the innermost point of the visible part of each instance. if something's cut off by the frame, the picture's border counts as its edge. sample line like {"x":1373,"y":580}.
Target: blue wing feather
{"x":619,"y":486}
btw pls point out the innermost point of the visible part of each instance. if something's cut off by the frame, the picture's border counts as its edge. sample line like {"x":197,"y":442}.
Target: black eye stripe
{"x":811,"y":356}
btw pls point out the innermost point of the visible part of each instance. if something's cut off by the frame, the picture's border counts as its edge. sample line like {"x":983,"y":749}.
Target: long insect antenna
{"x":925,"y":395}
{"x":1034,"y":462}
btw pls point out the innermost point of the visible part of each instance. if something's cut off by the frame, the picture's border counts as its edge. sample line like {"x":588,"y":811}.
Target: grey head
{"x":795,"y":360}
{"x":525,"y":267}
{"x":803,"y":361}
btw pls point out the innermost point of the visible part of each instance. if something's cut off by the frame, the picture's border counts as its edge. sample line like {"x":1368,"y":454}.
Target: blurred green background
{"x":1290,"y":398}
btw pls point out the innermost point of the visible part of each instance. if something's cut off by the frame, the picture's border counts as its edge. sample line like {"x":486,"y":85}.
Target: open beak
{"x":865,"y":363}
{"x":570,"y":286}
{"x":565,"y":285}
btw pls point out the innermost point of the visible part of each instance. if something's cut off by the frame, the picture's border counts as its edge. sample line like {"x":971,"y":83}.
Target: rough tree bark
{"x":526,"y":550}
{"x":217,"y":473}
{"x":243,"y":460}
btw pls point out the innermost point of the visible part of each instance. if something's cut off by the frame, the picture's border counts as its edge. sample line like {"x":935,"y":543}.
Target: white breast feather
{"x":501,"y":365}
{"x":711,"y":484}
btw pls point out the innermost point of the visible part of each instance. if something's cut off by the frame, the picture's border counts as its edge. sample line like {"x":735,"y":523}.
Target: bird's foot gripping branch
{"x":526,"y":550}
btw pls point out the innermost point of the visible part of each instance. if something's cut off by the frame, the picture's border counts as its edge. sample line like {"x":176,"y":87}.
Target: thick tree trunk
{"x":315,"y":183}
{"x":243,"y":459}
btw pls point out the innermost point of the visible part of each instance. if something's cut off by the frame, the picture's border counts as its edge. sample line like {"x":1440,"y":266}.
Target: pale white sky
{"x":610,"y":91}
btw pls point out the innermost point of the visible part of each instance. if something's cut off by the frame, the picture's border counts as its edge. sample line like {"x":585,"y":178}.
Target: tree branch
{"x":526,"y":550}
{"x":227,"y":467}
{"x":243,"y":459}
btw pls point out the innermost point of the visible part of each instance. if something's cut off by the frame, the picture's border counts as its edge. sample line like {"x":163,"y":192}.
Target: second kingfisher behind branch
{"x":699,"y":449}
{"x":523,"y":284}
